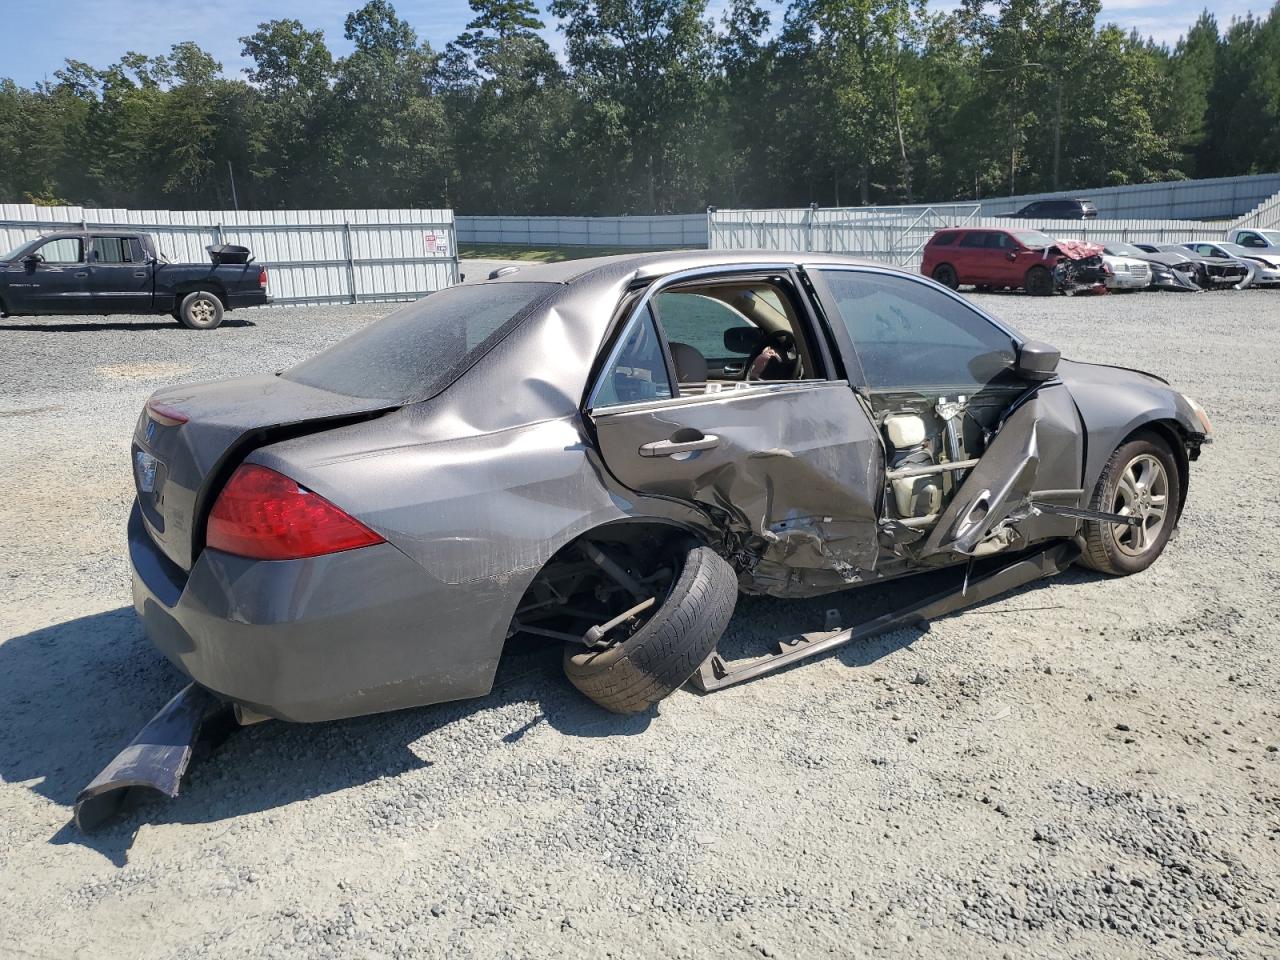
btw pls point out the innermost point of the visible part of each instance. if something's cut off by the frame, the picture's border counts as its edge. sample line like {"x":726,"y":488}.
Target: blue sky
{"x":37,"y":40}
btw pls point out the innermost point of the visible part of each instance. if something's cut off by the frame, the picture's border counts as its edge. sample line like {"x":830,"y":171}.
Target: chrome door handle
{"x":733,"y":369}
{"x":666,"y":448}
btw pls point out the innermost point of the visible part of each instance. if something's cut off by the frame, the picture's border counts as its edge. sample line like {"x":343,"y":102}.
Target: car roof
{"x":656,"y":263}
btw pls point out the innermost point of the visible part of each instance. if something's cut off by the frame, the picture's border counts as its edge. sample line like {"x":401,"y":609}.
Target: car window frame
{"x":844,"y":339}
{"x":630,"y":307}
{"x":62,"y":263}
{"x":128,"y":243}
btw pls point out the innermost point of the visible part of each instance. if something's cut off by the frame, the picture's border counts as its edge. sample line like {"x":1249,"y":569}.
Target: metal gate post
{"x":351,"y":266}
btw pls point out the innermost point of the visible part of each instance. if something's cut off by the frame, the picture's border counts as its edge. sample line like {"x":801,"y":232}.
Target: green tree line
{"x":655,"y":108}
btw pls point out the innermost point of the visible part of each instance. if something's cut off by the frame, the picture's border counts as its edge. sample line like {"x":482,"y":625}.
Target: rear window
{"x":944,"y":239}
{"x":415,"y":352}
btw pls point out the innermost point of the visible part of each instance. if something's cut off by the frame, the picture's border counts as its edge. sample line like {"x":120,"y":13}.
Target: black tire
{"x":200,"y":310}
{"x":1110,"y":548}
{"x":1039,"y":282}
{"x":946,"y":275}
{"x":665,"y":651}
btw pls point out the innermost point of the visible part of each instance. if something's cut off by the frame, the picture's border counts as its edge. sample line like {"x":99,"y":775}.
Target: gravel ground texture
{"x":1085,"y":768}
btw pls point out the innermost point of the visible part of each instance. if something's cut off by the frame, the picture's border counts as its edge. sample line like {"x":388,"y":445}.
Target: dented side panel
{"x":795,"y":474}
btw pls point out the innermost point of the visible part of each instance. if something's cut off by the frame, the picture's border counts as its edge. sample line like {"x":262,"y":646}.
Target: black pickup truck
{"x":110,"y":271}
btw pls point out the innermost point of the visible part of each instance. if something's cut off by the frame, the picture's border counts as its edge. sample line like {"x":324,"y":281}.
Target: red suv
{"x":989,"y":257}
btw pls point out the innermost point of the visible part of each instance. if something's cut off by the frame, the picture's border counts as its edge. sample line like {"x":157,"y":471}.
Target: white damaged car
{"x":1125,"y":273}
{"x":1264,"y":263}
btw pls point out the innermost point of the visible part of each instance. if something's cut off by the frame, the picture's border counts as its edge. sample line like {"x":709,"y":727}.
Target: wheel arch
{"x":186,"y":288}
{"x":1174,"y":435}
{"x":622,"y":529}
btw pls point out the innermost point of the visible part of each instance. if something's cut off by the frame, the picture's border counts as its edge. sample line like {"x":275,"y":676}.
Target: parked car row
{"x":991,"y":258}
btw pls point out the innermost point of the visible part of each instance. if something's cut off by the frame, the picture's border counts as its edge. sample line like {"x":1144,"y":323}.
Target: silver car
{"x":603,"y":453}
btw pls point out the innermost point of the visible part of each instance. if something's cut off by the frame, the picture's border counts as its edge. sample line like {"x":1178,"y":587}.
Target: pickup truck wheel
{"x":663,"y":651}
{"x":200,"y":310}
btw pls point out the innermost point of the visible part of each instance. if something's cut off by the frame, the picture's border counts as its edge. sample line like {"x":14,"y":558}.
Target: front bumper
{"x":1124,"y":281}
{"x":363,"y":631}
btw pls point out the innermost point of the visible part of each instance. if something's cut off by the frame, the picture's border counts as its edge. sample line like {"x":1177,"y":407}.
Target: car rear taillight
{"x":166,"y":415}
{"x":262,"y":278}
{"x":263,"y":515}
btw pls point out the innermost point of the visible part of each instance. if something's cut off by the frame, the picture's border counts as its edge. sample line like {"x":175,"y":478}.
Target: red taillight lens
{"x":166,"y":415}
{"x":264,"y":515}
{"x":262,"y":278}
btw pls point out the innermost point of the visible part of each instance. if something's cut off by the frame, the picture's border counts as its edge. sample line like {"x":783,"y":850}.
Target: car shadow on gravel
{"x":72,"y":695}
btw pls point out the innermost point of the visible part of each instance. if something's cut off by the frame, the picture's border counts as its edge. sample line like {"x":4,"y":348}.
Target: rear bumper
{"x":342,"y":635}
{"x":247,"y":298}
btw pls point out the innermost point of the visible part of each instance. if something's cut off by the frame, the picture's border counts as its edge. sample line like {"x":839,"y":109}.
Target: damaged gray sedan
{"x":604,"y":453}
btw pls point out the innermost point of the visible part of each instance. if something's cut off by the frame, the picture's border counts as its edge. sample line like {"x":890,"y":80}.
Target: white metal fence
{"x":312,"y":256}
{"x":898,"y":234}
{"x":1219,"y":198}
{"x":675,"y":230}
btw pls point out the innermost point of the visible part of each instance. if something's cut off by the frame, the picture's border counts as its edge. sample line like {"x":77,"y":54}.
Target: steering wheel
{"x":785,"y":365}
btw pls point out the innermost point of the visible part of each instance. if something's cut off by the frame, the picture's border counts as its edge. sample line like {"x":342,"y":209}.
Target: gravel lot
{"x":1085,"y":768}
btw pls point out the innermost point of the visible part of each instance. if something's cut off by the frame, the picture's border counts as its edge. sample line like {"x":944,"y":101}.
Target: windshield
{"x":13,"y":254}
{"x":415,"y":352}
{"x":1125,"y":250}
{"x":1034,"y":238}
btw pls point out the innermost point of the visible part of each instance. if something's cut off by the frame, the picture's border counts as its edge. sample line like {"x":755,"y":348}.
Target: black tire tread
{"x":1096,"y":555}
{"x":188,"y":298}
{"x":669,"y":647}
{"x":1032,"y":287}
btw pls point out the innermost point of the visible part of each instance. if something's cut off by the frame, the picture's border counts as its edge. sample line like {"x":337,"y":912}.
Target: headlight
{"x":1200,"y":415}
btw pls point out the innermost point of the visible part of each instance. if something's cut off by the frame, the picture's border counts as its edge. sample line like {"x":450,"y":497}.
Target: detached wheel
{"x":664,"y":651}
{"x":1039,"y":282}
{"x":1140,"y":480}
{"x":200,"y":311}
{"x":945,"y":274}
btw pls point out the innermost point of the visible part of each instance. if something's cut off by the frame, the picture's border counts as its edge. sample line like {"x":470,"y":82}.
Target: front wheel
{"x":1140,"y":480}
{"x":200,"y":310}
{"x":946,"y":275}
{"x":1039,"y":282}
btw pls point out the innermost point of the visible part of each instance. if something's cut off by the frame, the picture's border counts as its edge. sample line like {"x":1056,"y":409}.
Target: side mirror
{"x":1011,"y":255}
{"x":743,"y":340}
{"x":1036,"y":361}
{"x":32,"y":259}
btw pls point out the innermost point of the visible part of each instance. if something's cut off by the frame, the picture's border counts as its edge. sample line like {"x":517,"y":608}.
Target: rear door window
{"x":415,"y":352}
{"x":114,"y":250}
{"x":638,"y":371}
{"x":974,"y":238}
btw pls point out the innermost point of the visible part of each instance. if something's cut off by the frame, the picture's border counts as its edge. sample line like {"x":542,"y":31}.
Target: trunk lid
{"x":179,"y":467}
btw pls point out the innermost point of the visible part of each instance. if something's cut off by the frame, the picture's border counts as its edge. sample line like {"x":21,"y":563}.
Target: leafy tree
{"x":656,"y":109}
{"x":641,"y":71}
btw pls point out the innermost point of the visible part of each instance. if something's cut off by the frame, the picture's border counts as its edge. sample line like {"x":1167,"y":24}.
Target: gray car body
{"x":476,"y":488}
